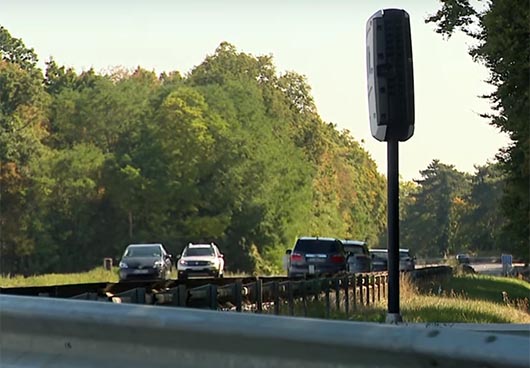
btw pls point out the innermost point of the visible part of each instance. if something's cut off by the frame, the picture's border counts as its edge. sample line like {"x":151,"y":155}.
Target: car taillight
{"x":337,"y":259}
{"x":295,"y":257}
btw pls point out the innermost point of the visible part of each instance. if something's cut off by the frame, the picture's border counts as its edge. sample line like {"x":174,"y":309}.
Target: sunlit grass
{"x":484,"y":287}
{"x":448,"y":307}
{"x":475,"y":300}
{"x":96,"y":275}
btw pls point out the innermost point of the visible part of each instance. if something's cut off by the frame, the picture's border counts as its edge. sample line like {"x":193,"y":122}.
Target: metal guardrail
{"x":277,"y":295}
{"x":48,"y":332}
{"x":346,"y":292}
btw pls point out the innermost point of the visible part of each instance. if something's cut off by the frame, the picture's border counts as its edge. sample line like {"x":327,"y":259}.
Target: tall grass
{"x":96,"y":275}
{"x":417,"y":306}
{"x":456,"y":305}
{"x":484,"y":287}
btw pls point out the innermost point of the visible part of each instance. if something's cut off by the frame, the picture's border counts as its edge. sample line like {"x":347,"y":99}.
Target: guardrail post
{"x":304,"y":297}
{"x":290,"y":298}
{"x":385,"y":283}
{"x":378,"y":279}
{"x":182,"y":295}
{"x":316,"y":288}
{"x":259,"y":296}
{"x":238,"y":297}
{"x":212,"y":296}
{"x":276,"y":296}
{"x":336,"y":286}
{"x":354,"y":283}
{"x":372,"y":281}
{"x":179,"y":295}
{"x":346,"y":285}
{"x":361,"y":291}
{"x":368,"y":284}
{"x":326,"y":290}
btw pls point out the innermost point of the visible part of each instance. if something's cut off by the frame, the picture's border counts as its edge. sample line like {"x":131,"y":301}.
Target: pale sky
{"x":323,"y":40}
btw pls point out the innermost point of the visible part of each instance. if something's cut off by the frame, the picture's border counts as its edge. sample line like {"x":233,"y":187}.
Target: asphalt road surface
{"x":489,"y":268}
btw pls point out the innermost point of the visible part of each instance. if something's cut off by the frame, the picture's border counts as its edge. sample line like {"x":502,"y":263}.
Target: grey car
{"x":379,"y":260}
{"x":316,"y":256}
{"x":407,"y":262}
{"x":358,"y":257}
{"x":145,"y":261}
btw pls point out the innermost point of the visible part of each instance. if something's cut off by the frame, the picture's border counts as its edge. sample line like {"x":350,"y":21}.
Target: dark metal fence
{"x":271,"y":295}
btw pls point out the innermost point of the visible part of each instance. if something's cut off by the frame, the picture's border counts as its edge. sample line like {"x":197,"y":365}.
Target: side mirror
{"x":178,"y":256}
{"x":221,"y":255}
{"x":288,"y":252}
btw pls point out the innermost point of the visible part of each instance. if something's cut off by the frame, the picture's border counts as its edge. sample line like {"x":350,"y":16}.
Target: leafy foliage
{"x":502,"y":30}
{"x":232,"y":153}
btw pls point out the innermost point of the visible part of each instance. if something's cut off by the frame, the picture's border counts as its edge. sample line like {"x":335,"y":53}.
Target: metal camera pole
{"x":393,"y":315}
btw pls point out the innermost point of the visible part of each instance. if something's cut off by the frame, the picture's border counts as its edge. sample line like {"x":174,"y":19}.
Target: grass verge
{"x":96,"y":275}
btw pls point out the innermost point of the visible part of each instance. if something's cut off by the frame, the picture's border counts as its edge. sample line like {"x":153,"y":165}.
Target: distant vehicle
{"x":358,"y":257}
{"x":201,"y":260}
{"x":316,"y":256}
{"x":462,"y":258}
{"x":407,"y":262}
{"x":145,"y":261}
{"x":379,"y":259}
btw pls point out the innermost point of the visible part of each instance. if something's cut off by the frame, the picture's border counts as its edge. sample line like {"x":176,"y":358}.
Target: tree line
{"x":232,"y":152}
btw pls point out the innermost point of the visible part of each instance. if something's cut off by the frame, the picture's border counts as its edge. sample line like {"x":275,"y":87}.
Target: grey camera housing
{"x":390,"y":75}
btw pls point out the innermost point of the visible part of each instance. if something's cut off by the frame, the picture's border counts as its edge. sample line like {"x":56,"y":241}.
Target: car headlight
{"x":211,"y":263}
{"x":159,"y":264}
{"x":123,"y":265}
{"x":183,"y":262}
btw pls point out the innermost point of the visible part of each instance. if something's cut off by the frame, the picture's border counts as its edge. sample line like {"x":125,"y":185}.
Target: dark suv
{"x":316,"y":256}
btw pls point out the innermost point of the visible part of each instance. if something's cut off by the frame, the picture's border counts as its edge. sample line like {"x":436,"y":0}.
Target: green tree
{"x":432,"y":225}
{"x":501,"y":30}
{"x":23,"y":104}
{"x":484,"y":221}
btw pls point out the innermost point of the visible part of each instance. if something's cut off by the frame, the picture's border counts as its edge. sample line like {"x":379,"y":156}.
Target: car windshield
{"x":316,"y":246}
{"x":147,"y":251}
{"x":403,"y":255}
{"x":199,"y":251}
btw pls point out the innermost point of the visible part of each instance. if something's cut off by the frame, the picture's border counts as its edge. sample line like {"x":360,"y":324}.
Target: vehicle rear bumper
{"x":305,"y":270}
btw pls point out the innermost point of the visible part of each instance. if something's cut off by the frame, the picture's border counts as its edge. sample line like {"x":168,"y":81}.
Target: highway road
{"x":487,"y":268}
{"x":490,"y":268}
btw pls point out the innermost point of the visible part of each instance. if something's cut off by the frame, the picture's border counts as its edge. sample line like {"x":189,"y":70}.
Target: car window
{"x":197,"y":252}
{"x":355,"y":249}
{"x":316,"y":246}
{"x":379,"y":254}
{"x":147,"y":251}
{"x":404,"y":255}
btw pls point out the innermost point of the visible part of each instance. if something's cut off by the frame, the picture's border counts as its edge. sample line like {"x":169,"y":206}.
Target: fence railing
{"x":271,"y":295}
